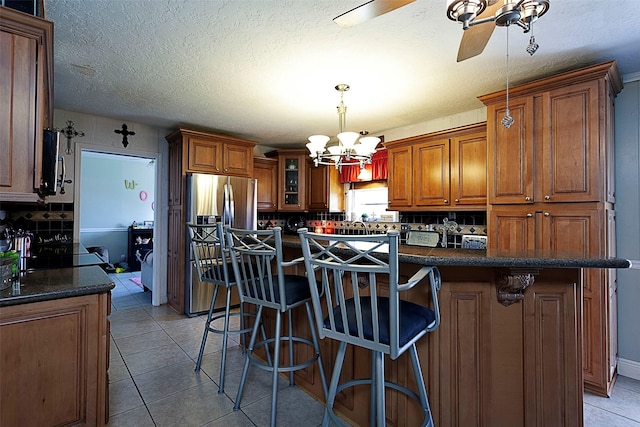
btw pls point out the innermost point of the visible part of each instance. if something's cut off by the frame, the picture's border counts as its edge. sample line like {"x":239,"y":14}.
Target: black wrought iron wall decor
{"x":70,"y":132}
{"x":125,"y":133}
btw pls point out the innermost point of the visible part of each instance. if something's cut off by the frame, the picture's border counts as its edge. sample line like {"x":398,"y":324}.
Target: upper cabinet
{"x":557,"y":150}
{"x":266,"y":172}
{"x":26,"y":101}
{"x":326,"y":192}
{"x":439,"y":170}
{"x":292,"y":176}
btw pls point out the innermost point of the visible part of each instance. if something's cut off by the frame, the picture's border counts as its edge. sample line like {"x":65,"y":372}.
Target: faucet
{"x":364,"y":226}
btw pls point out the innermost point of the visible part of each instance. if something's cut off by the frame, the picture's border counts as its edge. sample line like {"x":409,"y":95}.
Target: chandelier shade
{"x":351,"y":149}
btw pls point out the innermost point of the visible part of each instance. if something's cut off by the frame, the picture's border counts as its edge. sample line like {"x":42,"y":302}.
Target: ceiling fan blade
{"x":367,"y":11}
{"x":476,"y":37}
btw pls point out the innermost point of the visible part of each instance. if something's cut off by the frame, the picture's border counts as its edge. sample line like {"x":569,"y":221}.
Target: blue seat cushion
{"x":296,"y":289}
{"x":414,"y":318}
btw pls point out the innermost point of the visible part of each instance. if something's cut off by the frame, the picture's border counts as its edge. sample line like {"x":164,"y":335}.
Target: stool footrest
{"x":259,"y":363}
{"x":229,"y":331}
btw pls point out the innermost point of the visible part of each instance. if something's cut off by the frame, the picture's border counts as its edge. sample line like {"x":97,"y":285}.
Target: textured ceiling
{"x":266,"y":69}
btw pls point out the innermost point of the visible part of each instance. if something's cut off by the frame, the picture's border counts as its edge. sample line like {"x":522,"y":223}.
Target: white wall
{"x":147,"y":142}
{"x":627,"y":155}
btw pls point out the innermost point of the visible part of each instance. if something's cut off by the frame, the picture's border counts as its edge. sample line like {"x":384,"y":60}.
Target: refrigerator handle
{"x":232,"y":207}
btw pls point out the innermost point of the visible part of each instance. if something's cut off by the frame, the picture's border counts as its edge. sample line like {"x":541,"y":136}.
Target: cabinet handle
{"x":547,"y":197}
{"x":546,"y":214}
{"x":217,"y":169}
{"x":527,"y":199}
{"x":529,"y":215}
{"x":446,"y":201}
{"x":457,"y":200}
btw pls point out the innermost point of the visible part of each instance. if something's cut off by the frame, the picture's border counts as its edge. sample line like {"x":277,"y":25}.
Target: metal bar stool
{"x":212,"y":262}
{"x":359,"y":313}
{"x":258,"y":265}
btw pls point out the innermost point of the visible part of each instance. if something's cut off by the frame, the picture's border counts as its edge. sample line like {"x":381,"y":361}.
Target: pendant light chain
{"x":507,"y":120}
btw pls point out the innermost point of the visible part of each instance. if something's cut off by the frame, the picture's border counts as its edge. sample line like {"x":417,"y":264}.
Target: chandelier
{"x":351,"y":148}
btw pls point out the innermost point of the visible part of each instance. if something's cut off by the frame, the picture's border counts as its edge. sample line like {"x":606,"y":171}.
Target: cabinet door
{"x":292,"y":181}
{"x":238,"y":160}
{"x":570,"y":139}
{"x":175,"y":260}
{"x":205,"y":156}
{"x":400,"y":177}
{"x":175,"y":174}
{"x":431,"y":168}
{"x":512,"y":228}
{"x":266,"y":172}
{"x":510,"y":166}
{"x":469,"y":170}
{"x":22,"y":103}
{"x":325,"y":193}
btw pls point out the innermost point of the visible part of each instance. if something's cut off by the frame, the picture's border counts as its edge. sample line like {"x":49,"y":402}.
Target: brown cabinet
{"x":292,"y":179}
{"x":195,"y":152}
{"x":440,"y":170}
{"x":560,"y":147}
{"x":54,"y":362}
{"x":326,"y":193}
{"x":551,"y":186}
{"x":266,"y":172}
{"x":26,"y":101}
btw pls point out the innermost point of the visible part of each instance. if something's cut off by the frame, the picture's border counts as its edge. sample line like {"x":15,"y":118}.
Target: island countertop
{"x":536,"y":259}
{"x":45,"y":285}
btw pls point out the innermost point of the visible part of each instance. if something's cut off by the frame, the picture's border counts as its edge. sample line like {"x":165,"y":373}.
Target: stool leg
{"x":316,"y":346}
{"x":422,"y":391}
{"x":292,"y":381}
{"x":225,"y":336}
{"x":333,"y":387}
{"x":245,"y":368}
{"x":207,"y":326}
{"x":276,"y":362}
{"x":378,"y":378}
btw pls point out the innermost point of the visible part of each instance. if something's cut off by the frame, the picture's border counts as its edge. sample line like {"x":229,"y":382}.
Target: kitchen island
{"x":54,"y":347}
{"x":509,"y":348}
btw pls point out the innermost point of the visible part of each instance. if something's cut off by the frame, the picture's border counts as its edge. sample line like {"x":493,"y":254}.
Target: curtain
{"x":377,"y":170}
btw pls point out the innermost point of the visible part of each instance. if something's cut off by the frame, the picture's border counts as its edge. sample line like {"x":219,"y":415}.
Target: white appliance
{"x":213,"y":199}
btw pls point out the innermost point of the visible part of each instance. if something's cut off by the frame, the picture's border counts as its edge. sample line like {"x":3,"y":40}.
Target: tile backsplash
{"x":50,"y":223}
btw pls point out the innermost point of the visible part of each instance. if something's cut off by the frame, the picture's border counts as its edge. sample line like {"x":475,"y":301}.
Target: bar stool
{"x":212,"y":262}
{"x":259,"y":266}
{"x":358,"y":314}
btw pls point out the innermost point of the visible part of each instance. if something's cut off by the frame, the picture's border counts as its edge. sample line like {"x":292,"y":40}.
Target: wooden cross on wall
{"x":124,"y":132}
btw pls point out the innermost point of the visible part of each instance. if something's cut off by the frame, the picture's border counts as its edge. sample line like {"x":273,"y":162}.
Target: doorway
{"x":117,"y":195}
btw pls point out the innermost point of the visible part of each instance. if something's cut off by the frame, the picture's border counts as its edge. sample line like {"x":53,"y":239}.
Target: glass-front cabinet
{"x":292,"y":184}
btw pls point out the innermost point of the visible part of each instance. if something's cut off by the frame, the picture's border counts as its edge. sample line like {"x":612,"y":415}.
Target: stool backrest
{"x":365,"y":269}
{"x":210,"y":256}
{"x":257,"y":263}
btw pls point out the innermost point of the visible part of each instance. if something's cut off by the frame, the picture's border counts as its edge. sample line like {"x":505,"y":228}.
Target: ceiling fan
{"x":367,"y":11}
{"x":503,"y":13}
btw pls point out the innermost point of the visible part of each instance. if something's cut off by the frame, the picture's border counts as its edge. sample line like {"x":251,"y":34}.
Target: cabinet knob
{"x":529,"y":215}
{"x":457,"y":200}
{"x":546,"y":214}
{"x":446,"y":201}
{"x":217,"y":169}
{"x":547,"y":197}
{"x":527,"y":199}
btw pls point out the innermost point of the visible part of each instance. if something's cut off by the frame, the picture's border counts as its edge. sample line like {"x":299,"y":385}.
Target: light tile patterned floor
{"x":153,"y":382}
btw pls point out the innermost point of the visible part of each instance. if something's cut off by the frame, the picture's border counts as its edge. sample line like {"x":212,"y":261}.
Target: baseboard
{"x":629,"y":368}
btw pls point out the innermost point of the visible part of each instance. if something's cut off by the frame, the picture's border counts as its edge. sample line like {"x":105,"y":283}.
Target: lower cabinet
{"x":488,"y":364}
{"x":54,"y":362}
{"x":587,"y":228}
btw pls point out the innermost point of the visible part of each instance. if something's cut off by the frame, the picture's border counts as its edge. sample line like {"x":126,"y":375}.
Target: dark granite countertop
{"x":493,"y":258}
{"x":44,"y":285}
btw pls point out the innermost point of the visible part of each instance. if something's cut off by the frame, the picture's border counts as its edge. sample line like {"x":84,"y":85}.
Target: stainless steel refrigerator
{"x":229,"y":200}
